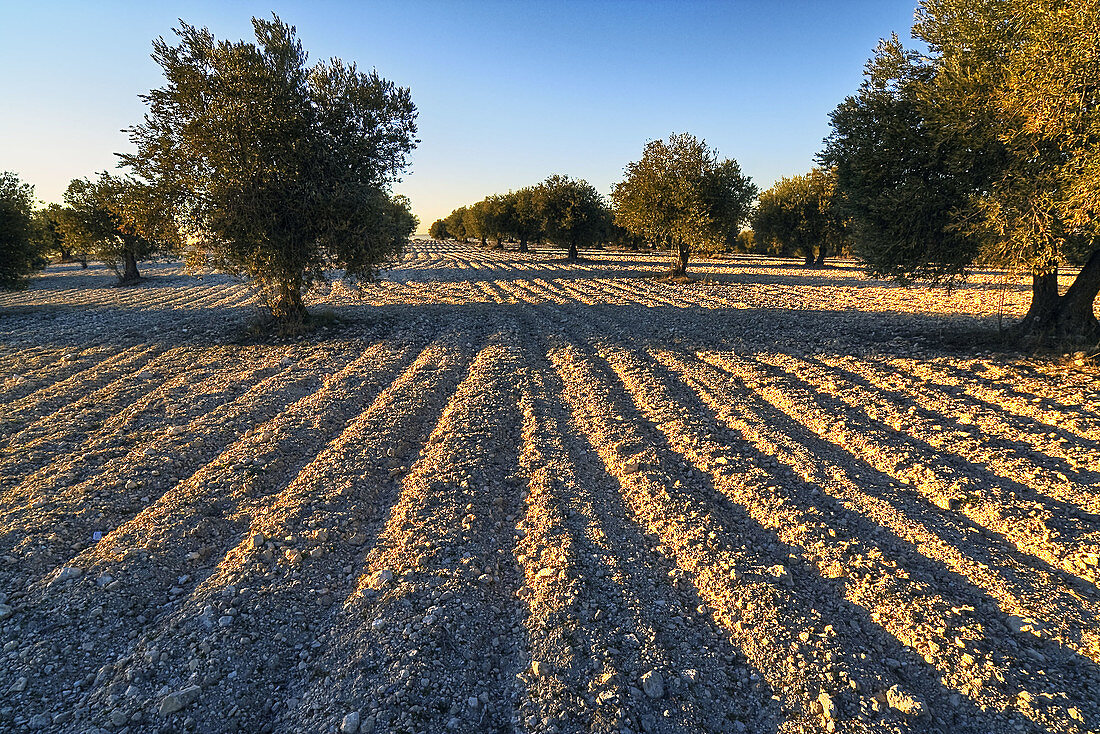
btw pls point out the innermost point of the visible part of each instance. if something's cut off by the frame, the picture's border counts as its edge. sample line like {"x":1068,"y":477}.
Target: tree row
{"x":680,"y":195}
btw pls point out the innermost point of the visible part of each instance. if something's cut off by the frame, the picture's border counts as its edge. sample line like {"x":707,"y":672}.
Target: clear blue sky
{"x":508,"y":92}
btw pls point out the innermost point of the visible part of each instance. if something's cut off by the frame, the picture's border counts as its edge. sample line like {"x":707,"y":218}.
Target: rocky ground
{"x":498,"y":493}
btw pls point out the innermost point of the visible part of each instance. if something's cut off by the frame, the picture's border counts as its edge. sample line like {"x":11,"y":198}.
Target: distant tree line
{"x":563,"y":211}
{"x":678,"y":196}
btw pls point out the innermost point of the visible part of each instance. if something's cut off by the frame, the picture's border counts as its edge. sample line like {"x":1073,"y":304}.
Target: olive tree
{"x":528,"y":215}
{"x":802,"y":215}
{"x":272,"y":167}
{"x":680,"y":196}
{"x":981,"y":151}
{"x":20,"y":256}
{"x":500,"y":215}
{"x":438,"y":230}
{"x":112,"y":220}
{"x":475,"y":221}
{"x":455,"y":223}
{"x":572,"y":213}
{"x":51,"y":241}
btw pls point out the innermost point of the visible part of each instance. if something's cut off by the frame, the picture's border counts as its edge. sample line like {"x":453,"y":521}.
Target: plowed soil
{"x":499,"y":493}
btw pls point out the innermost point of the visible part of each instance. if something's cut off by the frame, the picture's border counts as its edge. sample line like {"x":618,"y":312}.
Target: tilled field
{"x":504,"y":494}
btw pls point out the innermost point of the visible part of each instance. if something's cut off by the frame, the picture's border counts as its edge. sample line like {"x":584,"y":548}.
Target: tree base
{"x":1058,"y":327}
{"x":265,"y":328}
{"x":676,"y":278}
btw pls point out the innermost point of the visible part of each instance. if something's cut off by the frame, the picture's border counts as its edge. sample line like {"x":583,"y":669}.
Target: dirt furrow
{"x":525,"y":293}
{"x":44,"y":401}
{"x":69,"y":438}
{"x":106,"y":487}
{"x":935,"y":601}
{"x":1011,"y":445}
{"x":578,"y":294}
{"x":955,"y":469}
{"x":436,"y":605}
{"x":29,"y":370}
{"x":37,"y":442}
{"x":1030,"y":589}
{"x":138,"y":572}
{"x":645,"y":292}
{"x":591,"y":293}
{"x":793,"y":636}
{"x":1048,"y":393}
{"x":36,"y":457}
{"x":548,"y":291}
{"x":295,"y":563}
{"x":611,"y":598}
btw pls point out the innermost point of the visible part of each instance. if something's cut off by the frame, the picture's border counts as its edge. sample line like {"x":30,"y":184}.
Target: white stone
{"x":828,"y":707}
{"x":350,"y":724}
{"x":67,"y":573}
{"x":178,"y":700}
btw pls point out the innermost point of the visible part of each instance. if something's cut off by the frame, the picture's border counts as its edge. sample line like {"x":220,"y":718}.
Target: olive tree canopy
{"x":274,"y":168}
{"x":19,"y":254}
{"x":679,"y":195}
{"x":573,"y":213}
{"x":438,"y":230}
{"x":800,"y":213}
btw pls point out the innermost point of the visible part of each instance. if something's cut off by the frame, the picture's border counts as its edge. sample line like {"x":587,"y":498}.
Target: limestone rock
{"x":178,"y":700}
{"x":350,"y":724}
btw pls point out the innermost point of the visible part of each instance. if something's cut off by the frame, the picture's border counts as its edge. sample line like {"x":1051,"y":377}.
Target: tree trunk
{"x":809,"y":256}
{"x":288,"y":307}
{"x":1068,"y":316}
{"x":1044,"y":294}
{"x":130,"y":272}
{"x":572,"y":254}
{"x":483,"y":242}
{"x":680,"y":266}
{"x":822,"y":252}
{"x":523,"y":245}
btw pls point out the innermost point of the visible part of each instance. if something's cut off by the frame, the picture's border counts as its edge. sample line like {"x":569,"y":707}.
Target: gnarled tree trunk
{"x":1071,"y":315}
{"x":523,"y":245}
{"x":1044,"y":294}
{"x":287,"y":305}
{"x":572,"y":254}
{"x":822,"y":253}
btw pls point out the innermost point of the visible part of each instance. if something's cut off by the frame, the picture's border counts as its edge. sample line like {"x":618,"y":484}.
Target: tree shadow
{"x":733,"y":526}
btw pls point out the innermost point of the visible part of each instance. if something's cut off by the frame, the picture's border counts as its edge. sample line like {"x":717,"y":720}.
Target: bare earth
{"x":505,"y":494}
